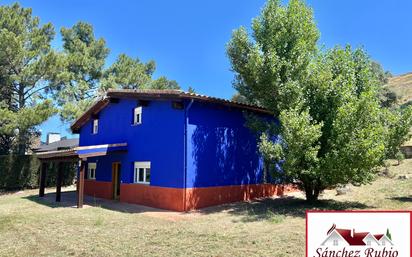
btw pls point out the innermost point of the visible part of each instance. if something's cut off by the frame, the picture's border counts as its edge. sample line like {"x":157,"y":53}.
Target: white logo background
{"x":374,"y":222}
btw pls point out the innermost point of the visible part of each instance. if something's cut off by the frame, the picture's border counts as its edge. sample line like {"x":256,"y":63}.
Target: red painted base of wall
{"x":174,"y":198}
{"x":196,"y":198}
{"x":153,"y":196}
{"x":100,"y":189}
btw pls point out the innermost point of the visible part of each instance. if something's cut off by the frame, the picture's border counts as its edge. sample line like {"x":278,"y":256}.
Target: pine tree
{"x":388,"y":234}
{"x":27,"y":62}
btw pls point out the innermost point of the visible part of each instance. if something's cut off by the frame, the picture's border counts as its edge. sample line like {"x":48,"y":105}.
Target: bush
{"x":23,"y":171}
{"x":400,"y":157}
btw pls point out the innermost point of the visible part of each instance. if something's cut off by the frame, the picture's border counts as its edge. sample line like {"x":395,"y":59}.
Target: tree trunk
{"x":22,"y":142}
{"x":22,"y":137}
{"x":312,"y":193}
{"x":265,"y":171}
{"x":21,"y":148}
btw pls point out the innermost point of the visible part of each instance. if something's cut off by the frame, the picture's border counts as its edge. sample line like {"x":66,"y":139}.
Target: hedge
{"x":23,"y":171}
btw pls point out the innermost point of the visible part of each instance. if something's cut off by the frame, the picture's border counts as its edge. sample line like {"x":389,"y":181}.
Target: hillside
{"x":402,"y":86}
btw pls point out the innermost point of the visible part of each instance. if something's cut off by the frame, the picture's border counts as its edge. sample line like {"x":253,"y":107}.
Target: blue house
{"x":170,"y":149}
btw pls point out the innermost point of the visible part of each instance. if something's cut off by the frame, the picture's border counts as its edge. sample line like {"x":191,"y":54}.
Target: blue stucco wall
{"x":159,"y":139}
{"x":221,"y":151}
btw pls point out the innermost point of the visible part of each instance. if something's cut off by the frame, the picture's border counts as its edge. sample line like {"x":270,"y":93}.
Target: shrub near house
{"x":22,"y":171}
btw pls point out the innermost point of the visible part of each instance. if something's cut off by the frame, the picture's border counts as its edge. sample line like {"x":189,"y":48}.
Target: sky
{"x":187,"y":38}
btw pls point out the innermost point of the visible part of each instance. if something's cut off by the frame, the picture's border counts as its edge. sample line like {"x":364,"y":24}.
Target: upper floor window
{"x":91,"y":170}
{"x":137,"y":115}
{"x":142,"y":172}
{"x":95,"y":126}
{"x":335,"y":242}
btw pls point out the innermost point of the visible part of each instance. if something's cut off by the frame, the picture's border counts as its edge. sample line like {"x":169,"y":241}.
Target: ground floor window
{"x":142,"y":172}
{"x":91,"y":170}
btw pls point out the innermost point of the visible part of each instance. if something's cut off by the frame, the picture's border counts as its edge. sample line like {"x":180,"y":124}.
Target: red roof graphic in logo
{"x":379,"y":236}
{"x":353,"y":238}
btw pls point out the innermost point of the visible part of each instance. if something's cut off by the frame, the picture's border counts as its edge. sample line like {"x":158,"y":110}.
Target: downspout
{"x":185,"y":153}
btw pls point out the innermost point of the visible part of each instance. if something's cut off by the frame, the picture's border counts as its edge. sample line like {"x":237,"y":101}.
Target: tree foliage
{"x":84,"y":77}
{"x":387,"y":97}
{"x":31,"y":72}
{"x":270,"y":65}
{"x":398,"y":123}
{"x":83,"y":59}
{"x":399,"y":157}
{"x":26,"y":63}
{"x":239,"y":98}
{"x":191,"y":90}
{"x":332,"y":129}
{"x":382,"y":75}
{"x":129,"y":73}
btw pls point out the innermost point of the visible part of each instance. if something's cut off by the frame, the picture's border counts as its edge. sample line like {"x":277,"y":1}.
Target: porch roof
{"x":58,"y":155}
{"x":81,"y":152}
{"x":99,"y":150}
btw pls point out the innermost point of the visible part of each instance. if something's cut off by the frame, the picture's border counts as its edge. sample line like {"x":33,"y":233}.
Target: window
{"x":95,"y":126}
{"x":335,"y":242}
{"x":142,"y":172}
{"x":91,"y":170}
{"x":383,"y":242}
{"x":368,"y":242}
{"x":137,"y":115}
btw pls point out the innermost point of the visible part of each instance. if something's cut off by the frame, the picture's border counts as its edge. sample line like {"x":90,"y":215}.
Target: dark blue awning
{"x":99,"y":150}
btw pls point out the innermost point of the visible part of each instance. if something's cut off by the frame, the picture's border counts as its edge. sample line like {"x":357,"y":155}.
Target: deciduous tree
{"x":270,"y":65}
{"x":332,"y":127}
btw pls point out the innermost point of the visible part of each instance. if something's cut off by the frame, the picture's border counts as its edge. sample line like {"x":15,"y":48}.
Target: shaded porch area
{"x":78,"y":155}
{"x":69,"y":200}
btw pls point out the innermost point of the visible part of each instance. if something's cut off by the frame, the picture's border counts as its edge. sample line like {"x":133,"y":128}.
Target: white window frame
{"x":335,"y":242}
{"x":95,"y":126}
{"x":137,"y":166}
{"x":137,"y":111}
{"x":91,"y":166}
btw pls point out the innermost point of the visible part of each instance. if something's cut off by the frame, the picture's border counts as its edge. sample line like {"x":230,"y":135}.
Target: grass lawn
{"x":271,"y":227}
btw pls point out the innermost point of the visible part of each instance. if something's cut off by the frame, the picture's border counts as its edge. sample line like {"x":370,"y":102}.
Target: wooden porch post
{"x":80,"y":184}
{"x":59,"y":181}
{"x":43,"y":173}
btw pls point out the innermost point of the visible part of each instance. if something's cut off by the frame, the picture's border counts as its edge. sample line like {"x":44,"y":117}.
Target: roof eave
{"x":94,"y":109}
{"x":173,"y":95}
